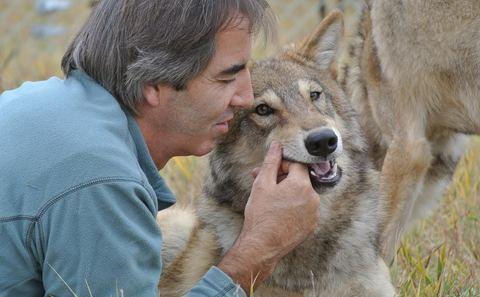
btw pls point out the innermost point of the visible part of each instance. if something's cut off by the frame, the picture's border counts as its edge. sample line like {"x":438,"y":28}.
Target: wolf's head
{"x":299,"y":104}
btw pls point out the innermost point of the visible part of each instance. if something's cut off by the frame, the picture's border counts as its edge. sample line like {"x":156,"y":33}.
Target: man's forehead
{"x":232,"y":47}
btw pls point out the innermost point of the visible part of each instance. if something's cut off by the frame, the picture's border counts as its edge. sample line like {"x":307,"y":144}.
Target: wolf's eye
{"x":264,"y":110}
{"x":315,"y":95}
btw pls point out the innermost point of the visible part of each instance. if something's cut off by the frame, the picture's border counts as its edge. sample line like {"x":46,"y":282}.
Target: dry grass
{"x":441,"y":257}
{"x":23,"y":57}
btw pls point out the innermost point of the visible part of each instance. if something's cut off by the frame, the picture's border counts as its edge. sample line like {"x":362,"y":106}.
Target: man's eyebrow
{"x":233,"y":69}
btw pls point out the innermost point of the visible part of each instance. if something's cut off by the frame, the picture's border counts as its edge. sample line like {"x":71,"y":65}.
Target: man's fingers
{"x":271,"y":163}
{"x":298,"y":170}
{"x":275,"y":169}
{"x":281,"y":177}
{"x":284,"y":167}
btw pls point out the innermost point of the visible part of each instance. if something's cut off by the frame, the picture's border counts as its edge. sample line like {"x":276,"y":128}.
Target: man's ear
{"x":322,"y":45}
{"x":154,"y":94}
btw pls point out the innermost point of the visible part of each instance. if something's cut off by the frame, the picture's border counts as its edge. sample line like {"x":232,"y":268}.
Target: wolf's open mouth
{"x":325,"y":173}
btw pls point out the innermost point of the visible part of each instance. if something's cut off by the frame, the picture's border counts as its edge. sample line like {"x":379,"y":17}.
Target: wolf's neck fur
{"x":228,"y":182}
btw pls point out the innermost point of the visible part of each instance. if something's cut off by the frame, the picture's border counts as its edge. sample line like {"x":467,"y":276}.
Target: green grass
{"x":440,"y":257}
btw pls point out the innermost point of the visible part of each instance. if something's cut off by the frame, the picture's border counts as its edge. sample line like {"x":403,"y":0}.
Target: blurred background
{"x":35,"y":33}
{"x":441,"y":257}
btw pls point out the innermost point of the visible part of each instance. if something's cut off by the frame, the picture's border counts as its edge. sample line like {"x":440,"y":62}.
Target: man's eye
{"x":227,"y":81}
{"x":264,"y":110}
{"x":315,"y":95}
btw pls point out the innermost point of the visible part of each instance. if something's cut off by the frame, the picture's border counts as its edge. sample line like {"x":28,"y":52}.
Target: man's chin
{"x":204,"y":148}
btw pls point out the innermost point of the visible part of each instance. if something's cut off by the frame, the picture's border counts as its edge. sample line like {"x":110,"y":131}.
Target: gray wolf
{"x":299,"y":104}
{"x":414,"y":80}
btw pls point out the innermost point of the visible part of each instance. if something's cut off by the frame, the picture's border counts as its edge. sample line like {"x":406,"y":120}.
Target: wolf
{"x":413,"y":76}
{"x":298,"y":103}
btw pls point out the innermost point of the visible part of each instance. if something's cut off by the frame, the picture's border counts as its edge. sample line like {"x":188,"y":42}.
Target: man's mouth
{"x":223,"y":125}
{"x":325,"y":173}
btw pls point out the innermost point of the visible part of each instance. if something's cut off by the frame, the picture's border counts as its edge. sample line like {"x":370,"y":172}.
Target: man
{"x":146,"y":80}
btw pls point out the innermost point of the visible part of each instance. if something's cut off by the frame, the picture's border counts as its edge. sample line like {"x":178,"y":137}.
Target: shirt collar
{"x":164,"y":195}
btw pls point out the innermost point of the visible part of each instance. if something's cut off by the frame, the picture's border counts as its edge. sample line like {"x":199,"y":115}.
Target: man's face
{"x":200,"y":113}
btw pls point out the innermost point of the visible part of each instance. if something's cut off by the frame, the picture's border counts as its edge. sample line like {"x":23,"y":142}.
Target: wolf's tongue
{"x":321,"y":168}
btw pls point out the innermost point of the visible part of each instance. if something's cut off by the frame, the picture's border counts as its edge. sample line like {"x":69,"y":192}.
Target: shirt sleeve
{"x":101,"y":239}
{"x":215,"y":283}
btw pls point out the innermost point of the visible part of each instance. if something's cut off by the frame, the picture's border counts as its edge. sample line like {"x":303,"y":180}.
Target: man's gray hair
{"x":126,"y":45}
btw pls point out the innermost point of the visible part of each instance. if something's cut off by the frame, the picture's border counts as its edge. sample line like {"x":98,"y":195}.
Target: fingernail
{"x":273,"y":145}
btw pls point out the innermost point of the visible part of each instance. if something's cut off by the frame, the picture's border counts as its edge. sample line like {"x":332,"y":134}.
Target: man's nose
{"x":243,"y":97}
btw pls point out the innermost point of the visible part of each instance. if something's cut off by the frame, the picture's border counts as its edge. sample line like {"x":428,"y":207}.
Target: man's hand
{"x":281,"y":213}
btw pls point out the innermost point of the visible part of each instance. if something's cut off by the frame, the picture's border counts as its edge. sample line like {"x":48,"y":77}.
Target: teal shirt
{"x":79,"y":194}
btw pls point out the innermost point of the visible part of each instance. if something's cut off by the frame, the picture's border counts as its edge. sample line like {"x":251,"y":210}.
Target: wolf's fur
{"x":415,"y":81}
{"x":342,"y":258}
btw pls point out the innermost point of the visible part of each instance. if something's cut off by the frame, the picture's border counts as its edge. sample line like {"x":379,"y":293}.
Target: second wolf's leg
{"x":447,"y":153}
{"x":405,"y":166}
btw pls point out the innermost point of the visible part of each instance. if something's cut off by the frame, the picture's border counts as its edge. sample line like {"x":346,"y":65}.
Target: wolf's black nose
{"x":321,"y":143}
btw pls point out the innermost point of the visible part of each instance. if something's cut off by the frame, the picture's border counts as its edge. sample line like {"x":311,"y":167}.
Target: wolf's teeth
{"x":334,"y":171}
{"x":313,"y":173}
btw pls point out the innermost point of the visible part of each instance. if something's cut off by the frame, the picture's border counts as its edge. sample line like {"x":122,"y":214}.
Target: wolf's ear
{"x":322,"y":45}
